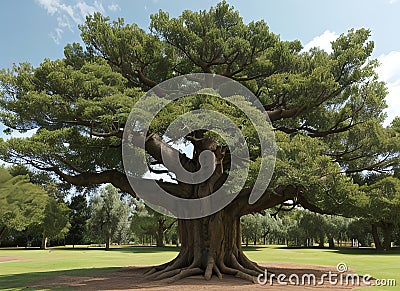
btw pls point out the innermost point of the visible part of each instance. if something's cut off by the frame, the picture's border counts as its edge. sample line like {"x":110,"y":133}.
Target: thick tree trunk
{"x":160,"y":235}
{"x":387,"y":236}
{"x":2,"y":231}
{"x":375,"y":236}
{"x":108,"y":240}
{"x":321,"y":242}
{"x":209,"y":246}
{"x":331,"y":243}
{"x":265,"y":239}
{"x":212,"y":245}
{"x":44,"y":242}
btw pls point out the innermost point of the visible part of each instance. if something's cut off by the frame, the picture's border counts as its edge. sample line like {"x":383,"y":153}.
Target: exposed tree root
{"x":183,"y":267}
{"x":211,"y":246}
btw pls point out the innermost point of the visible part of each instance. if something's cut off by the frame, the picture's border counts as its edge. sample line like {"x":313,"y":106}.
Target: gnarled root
{"x":184,"y":266}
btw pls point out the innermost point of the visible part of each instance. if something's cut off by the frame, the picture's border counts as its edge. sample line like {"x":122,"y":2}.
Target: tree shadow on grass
{"x":29,"y":280}
{"x":146,"y":249}
{"x":132,"y":278}
{"x":367,"y":251}
{"x":347,"y":250}
{"x":127,"y":249}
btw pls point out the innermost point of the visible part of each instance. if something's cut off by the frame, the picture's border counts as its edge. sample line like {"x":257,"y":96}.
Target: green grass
{"x":39,"y":264}
{"x":363,"y":261}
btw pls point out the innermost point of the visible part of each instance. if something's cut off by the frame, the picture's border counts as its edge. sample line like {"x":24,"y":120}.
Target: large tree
{"x":28,"y":207}
{"x":21,"y":203}
{"x":326,"y":109}
{"x":383,"y":210}
{"x":109,"y":216}
{"x":78,"y":218}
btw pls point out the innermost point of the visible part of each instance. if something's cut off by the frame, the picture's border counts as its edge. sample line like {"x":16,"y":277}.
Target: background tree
{"x":383,"y":210}
{"x":396,"y":235}
{"x":78,"y":218}
{"x":21,"y":203}
{"x":27,"y":207}
{"x":360,"y":230}
{"x":250,"y":228}
{"x":326,"y":109}
{"x":146,"y":221}
{"x":109,"y":216}
{"x":336,"y":227}
{"x":261,"y":226}
{"x":55,"y":221}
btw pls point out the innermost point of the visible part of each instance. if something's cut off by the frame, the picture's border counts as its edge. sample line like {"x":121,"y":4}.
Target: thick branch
{"x":283,"y":113}
{"x":116,"y":178}
{"x":146,"y":81}
{"x":156,"y":147}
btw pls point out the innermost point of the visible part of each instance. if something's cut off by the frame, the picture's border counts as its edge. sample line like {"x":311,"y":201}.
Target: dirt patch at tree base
{"x":132,"y":278}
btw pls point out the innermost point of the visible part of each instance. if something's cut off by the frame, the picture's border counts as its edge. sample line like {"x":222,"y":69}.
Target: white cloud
{"x":113,"y":7}
{"x":393,"y":1}
{"x":389,"y":72}
{"x":63,"y":22}
{"x":389,"y":69}
{"x":56,"y":35}
{"x":50,"y":5}
{"x":66,"y":13}
{"x":322,"y":41}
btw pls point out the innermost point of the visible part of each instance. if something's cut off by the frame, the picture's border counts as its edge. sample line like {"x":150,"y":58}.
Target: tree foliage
{"x":28,"y":207}
{"x":78,"y":219}
{"x":326,"y":110}
{"x":109,"y":216}
{"x":146,"y":221}
{"x":22,"y":204}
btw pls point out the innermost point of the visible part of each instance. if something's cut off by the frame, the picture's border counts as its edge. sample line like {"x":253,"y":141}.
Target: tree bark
{"x":321,"y":242}
{"x":160,"y":235}
{"x":331,"y":243}
{"x":44,"y":242}
{"x":108,"y":240}
{"x":375,"y":236}
{"x":212,"y":245}
{"x":209,"y":246}
{"x":387,"y":236}
{"x":2,"y":231}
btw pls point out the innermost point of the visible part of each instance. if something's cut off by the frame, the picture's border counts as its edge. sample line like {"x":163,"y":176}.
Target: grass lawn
{"x":363,"y":261}
{"x":37,"y":264}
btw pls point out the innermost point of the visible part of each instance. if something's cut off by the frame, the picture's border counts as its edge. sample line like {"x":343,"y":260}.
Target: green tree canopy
{"x":78,"y":218}
{"x":109,"y":215}
{"x":383,"y":209}
{"x":146,"y":221}
{"x":26,"y":206}
{"x":22,"y":204}
{"x":326,"y":110}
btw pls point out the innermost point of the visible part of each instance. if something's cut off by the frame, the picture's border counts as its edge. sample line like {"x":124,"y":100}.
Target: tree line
{"x":35,"y":210}
{"x":302,"y":228}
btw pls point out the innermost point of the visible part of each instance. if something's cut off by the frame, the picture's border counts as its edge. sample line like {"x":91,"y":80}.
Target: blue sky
{"x":32,"y":30}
